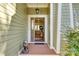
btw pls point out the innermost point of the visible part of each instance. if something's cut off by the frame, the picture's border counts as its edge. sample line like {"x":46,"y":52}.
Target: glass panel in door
{"x":37,"y":29}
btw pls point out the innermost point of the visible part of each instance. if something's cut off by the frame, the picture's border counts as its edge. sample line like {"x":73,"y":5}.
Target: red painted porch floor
{"x":40,"y":49}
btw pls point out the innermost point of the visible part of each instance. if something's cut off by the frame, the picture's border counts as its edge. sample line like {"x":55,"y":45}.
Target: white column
{"x":51,"y":25}
{"x":29,"y":28}
{"x":59,"y":28}
{"x":71,"y":15}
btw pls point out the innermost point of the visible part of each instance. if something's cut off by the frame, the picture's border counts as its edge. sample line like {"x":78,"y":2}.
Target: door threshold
{"x":36,"y":42}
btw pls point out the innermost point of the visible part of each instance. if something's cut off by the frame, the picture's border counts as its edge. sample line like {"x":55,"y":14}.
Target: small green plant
{"x":72,"y":46}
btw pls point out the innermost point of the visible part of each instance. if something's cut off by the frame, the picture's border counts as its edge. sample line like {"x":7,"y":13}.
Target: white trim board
{"x":29,"y":27}
{"x":37,"y":5}
{"x":71,"y":15}
{"x":59,"y":28}
{"x":51,"y":25}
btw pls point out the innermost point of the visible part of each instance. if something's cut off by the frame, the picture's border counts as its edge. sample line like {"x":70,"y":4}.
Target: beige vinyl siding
{"x":14,"y":31}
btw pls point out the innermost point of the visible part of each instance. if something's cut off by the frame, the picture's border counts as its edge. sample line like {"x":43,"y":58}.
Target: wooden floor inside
{"x":40,"y":49}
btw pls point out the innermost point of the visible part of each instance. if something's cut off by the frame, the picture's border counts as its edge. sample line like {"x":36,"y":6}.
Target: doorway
{"x":37,"y":29}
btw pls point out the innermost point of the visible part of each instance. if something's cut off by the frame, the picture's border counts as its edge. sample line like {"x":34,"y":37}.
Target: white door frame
{"x":29,"y":28}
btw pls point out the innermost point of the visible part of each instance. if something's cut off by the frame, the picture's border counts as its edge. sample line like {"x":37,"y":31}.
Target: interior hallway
{"x":39,"y":49}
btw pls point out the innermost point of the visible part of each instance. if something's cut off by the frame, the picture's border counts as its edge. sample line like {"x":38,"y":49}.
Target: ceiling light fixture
{"x":37,"y":11}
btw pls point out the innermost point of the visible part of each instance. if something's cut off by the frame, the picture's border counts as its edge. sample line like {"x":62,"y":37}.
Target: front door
{"x":37,"y":29}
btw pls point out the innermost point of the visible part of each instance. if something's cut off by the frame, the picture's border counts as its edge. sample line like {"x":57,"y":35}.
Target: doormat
{"x":39,"y":43}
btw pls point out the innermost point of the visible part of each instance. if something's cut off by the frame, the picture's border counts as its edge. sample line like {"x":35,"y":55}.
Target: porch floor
{"x":40,"y":49}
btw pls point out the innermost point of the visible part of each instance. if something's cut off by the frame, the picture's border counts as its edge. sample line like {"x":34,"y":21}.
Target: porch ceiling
{"x":37,"y":5}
